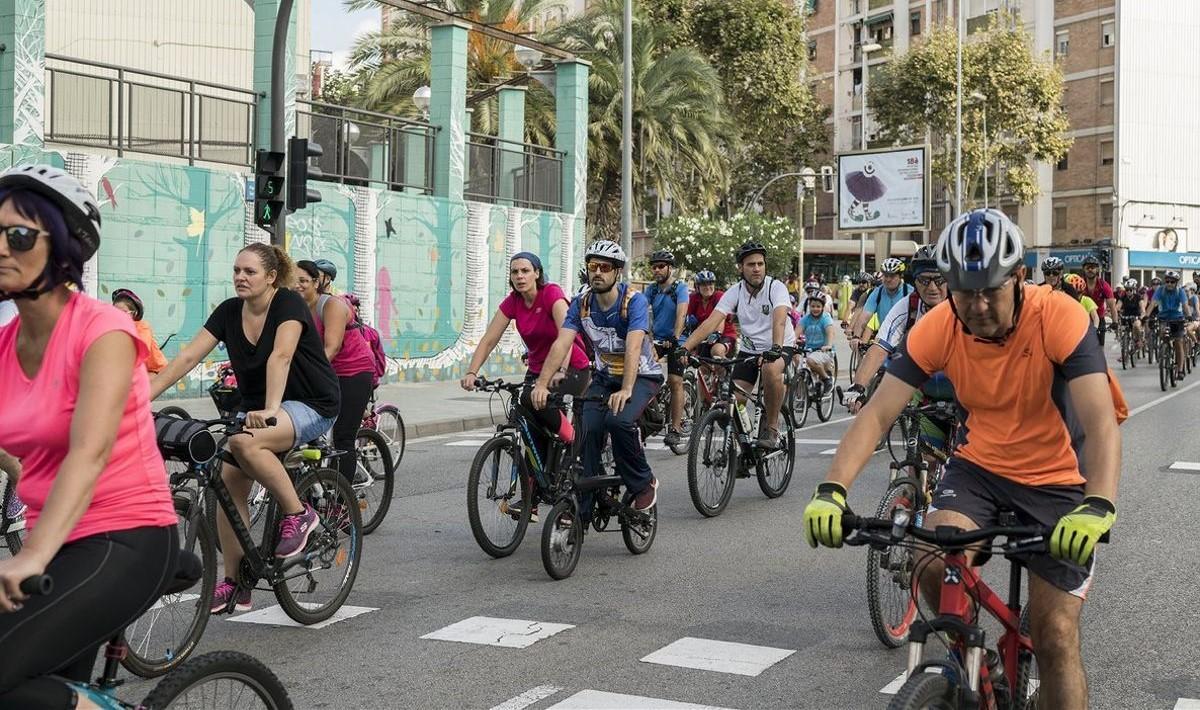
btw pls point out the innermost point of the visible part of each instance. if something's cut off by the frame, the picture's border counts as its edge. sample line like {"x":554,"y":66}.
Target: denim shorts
{"x":308,"y":424}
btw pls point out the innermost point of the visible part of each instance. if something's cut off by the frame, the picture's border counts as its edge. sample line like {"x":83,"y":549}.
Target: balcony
{"x":507,"y":172}
{"x":365,"y":147}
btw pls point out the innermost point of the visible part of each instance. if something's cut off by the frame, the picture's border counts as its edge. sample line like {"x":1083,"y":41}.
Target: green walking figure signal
{"x":268,"y":188}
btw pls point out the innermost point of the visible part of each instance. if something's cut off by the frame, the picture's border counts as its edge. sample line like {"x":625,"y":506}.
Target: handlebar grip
{"x":37,"y":585}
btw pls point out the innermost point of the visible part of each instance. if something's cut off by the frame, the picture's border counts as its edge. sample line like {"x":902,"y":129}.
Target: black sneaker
{"x":672,"y":439}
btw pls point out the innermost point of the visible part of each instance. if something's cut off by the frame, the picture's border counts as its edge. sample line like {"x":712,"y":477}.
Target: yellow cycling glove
{"x":823,"y":515}
{"x":1077,"y":532}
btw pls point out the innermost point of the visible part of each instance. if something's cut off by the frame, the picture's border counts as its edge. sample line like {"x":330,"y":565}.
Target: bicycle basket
{"x":184,"y":439}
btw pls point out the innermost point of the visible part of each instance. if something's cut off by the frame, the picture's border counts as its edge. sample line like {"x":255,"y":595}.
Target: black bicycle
{"x":562,"y":535}
{"x":220,"y":679}
{"x":723,"y":446}
{"x":1167,"y":367}
{"x":1129,"y":349}
{"x":805,"y":390}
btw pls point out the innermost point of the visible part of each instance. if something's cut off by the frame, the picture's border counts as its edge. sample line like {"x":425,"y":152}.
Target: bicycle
{"x":891,"y":582}
{"x":656,"y":417}
{"x":386,"y":419}
{"x":722,"y":446}
{"x":1128,"y":344}
{"x":1167,"y":368}
{"x":857,"y":352}
{"x":805,"y":390}
{"x":1151,"y":340}
{"x":216,"y":679}
{"x":970,"y":676}
{"x":562,"y":535}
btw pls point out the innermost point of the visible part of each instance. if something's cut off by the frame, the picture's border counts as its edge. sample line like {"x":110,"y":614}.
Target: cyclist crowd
{"x":959,"y":323}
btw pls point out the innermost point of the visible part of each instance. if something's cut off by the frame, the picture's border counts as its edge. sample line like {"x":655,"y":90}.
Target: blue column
{"x":571,"y":106}
{"x":511,"y":128}
{"x":22,"y":73}
{"x":448,"y":107}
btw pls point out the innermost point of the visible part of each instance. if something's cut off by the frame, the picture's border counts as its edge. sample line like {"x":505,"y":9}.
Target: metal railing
{"x":524,"y":174}
{"x":98,"y":105}
{"x":363,"y":147}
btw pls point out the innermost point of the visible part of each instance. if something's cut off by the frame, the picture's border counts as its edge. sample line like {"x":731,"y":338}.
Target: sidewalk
{"x":428,"y":408}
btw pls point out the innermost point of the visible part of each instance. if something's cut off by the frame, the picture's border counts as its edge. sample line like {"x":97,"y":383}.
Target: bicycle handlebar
{"x":37,"y":585}
{"x":1020,"y":537}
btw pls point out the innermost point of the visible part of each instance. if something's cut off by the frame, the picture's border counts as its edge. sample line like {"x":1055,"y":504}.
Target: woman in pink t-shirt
{"x":539,"y":309}
{"x":77,"y":414}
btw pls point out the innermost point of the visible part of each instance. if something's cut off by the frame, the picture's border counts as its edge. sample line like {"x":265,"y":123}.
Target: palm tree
{"x":683,"y":136}
{"x":396,"y":59}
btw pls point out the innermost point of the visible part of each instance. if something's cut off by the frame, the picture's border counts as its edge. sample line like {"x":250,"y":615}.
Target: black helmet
{"x":749,"y":248}
{"x":924,"y":260}
{"x":662,"y":256}
{"x":124,"y":294}
{"x":1090,"y":260}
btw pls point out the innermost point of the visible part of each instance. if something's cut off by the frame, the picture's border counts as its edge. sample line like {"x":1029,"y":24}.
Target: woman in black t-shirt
{"x":282,"y":373}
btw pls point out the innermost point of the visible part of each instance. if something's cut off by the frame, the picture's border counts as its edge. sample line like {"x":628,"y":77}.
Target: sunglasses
{"x":600,"y":267}
{"x":20,"y":238}
{"x":1054,"y":273}
{"x":660,"y":265}
{"x":925,"y":281}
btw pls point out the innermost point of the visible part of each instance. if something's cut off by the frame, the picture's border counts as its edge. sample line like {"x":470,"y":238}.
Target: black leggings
{"x":101,"y":584}
{"x":356,"y":393}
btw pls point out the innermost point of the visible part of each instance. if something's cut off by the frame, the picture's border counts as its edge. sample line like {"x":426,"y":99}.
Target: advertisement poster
{"x":885,"y":189}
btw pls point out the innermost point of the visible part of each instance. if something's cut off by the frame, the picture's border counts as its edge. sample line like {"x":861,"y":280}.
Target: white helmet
{"x":605,"y":249}
{"x":79,"y":208}
{"x":979,"y":250}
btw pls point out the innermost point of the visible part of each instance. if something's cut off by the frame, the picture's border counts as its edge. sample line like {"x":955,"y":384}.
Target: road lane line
{"x":836,"y":421}
{"x":529,"y":697}
{"x":719,"y":656}
{"x":1164,"y":398}
{"x":894,"y":687}
{"x":1185,"y":466}
{"x":1187,"y":704}
{"x":600,"y":700}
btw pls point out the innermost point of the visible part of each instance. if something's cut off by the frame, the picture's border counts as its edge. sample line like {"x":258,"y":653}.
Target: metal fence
{"x":524,"y":174}
{"x":363,"y":147}
{"x":100,"y":105}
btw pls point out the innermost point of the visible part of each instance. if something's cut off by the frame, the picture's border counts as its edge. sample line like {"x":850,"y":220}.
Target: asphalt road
{"x":745,"y":577}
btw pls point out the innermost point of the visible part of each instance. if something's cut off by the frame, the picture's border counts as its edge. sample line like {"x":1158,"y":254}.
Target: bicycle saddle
{"x":188,"y":571}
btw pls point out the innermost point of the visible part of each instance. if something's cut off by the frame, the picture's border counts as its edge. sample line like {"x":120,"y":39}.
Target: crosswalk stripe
{"x":491,"y":631}
{"x":894,"y":687}
{"x":529,"y":697}
{"x":719,"y":656}
{"x":600,"y":700}
{"x":275,"y":616}
{"x":1187,"y":704}
{"x":1185,"y":466}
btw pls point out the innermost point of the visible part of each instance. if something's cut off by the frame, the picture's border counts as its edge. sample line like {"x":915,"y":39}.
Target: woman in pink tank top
{"x":77,"y":414}
{"x":347,"y":350}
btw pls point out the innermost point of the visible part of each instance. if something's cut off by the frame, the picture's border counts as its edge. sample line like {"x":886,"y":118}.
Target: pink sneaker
{"x":222,"y":594}
{"x":294,"y":531}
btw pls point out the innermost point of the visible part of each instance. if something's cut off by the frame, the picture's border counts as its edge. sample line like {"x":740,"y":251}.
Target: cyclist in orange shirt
{"x":1036,"y":400}
{"x":128,"y":301}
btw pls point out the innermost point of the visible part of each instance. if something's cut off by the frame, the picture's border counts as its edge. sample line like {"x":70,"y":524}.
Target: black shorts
{"x":1175,"y":327}
{"x":747,"y":370}
{"x":705,"y":349}
{"x":971,"y":491}
{"x":675,"y":364}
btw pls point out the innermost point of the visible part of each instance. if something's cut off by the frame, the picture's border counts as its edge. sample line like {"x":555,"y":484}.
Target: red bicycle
{"x":971,"y":675}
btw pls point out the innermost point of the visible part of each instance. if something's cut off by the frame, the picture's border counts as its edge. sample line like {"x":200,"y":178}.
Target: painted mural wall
{"x":430,"y":271}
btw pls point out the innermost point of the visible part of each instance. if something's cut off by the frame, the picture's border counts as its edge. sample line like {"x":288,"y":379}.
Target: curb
{"x":448,"y":426}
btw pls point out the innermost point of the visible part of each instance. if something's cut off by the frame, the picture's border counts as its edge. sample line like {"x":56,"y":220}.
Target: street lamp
{"x":527,"y":57}
{"x":980,"y":99}
{"x":866,"y":50}
{"x":807,"y":182}
{"x":420,"y":99}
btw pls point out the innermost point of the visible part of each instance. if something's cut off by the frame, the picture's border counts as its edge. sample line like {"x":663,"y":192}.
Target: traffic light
{"x":268,"y":188}
{"x":827,"y":183}
{"x":299,"y":172}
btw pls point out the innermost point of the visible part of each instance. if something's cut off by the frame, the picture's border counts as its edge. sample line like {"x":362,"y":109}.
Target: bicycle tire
{"x":714,"y":420}
{"x":774,"y":485}
{"x":825,"y":405}
{"x":337,"y":508}
{"x":174,"y":411}
{"x":890,"y":627}
{"x":138,"y":661}
{"x":561,"y":548}
{"x":491,"y":447}
{"x":383,"y":481}
{"x":1024,"y":697}
{"x":1162,"y":372}
{"x":926,"y":691}
{"x":636,"y":543}
{"x":798,"y":397}
{"x":854,"y":358}
{"x":244,"y":670}
{"x":395,"y":433}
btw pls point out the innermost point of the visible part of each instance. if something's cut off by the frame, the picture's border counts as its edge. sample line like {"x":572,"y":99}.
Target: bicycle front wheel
{"x":222,"y":680}
{"x":318,"y":585}
{"x":797,"y":398}
{"x":163,"y":637}
{"x":712,"y":463}
{"x":562,"y":540}
{"x":891,"y":581}
{"x":389,"y":423}
{"x":926,"y":691}
{"x":639,"y":535}
{"x":774,"y":470}
{"x":374,"y":478}
{"x":493,"y":484}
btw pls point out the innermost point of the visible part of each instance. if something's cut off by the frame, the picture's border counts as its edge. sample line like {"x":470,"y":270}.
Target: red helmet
{"x":124,"y":294}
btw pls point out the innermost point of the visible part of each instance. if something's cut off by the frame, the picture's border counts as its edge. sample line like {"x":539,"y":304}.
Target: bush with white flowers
{"x":701,"y":243}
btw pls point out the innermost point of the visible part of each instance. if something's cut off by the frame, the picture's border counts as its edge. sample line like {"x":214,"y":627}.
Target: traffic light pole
{"x":279,"y":50}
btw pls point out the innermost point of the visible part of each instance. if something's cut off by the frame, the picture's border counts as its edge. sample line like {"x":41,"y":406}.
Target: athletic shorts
{"x":971,"y":491}
{"x":308,"y":425}
{"x":821,"y":357}
{"x":705,"y":349}
{"x":675,"y":365}
{"x":1176,"y":327}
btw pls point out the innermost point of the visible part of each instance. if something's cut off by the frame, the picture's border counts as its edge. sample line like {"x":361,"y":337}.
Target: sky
{"x":334,"y":28}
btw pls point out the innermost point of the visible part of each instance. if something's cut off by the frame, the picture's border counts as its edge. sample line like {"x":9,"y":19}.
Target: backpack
{"x":374,"y":340}
{"x":585,"y":303}
{"x":914,"y":302}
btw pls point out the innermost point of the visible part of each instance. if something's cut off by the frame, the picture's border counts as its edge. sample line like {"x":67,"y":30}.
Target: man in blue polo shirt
{"x":668,"y":298}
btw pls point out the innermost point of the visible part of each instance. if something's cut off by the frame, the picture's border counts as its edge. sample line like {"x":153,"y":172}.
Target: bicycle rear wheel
{"x":374,"y":478}
{"x":562,"y":540}
{"x":224,"y":680}
{"x":891,"y":587}
{"x":391,"y":425}
{"x":333,"y":555}
{"x":166,"y":634}
{"x":712,"y":463}
{"x":493,"y":483}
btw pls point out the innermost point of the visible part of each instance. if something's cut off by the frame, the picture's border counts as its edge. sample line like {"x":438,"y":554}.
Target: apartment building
{"x":1110,"y":52}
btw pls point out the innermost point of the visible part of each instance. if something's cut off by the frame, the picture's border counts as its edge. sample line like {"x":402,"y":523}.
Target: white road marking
{"x":467,"y":442}
{"x":180,"y":599}
{"x":1164,"y":398}
{"x":529,"y":697}
{"x":828,"y":452}
{"x":275,"y":616}
{"x":826,"y":442}
{"x":719,"y":656}
{"x":831,"y":421}
{"x":1185,"y":466}
{"x":894,"y":687}
{"x":600,"y":700}
{"x":1187,"y":704}
{"x":490,"y":631}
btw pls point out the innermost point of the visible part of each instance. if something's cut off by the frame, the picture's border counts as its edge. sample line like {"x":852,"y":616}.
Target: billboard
{"x":883,"y":189}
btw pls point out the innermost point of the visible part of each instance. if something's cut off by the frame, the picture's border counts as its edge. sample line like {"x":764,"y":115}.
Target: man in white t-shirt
{"x":761,"y":304}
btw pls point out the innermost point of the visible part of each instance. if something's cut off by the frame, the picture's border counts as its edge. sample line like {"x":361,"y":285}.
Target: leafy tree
{"x":342,"y":88}
{"x":1023,"y":99}
{"x":703,"y":243}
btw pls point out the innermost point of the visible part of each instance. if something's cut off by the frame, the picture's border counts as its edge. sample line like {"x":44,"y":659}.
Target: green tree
{"x":1026,"y":122}
{"x":703,"y":243}
{"x":343,"y":88}
{"x":682,"y":132}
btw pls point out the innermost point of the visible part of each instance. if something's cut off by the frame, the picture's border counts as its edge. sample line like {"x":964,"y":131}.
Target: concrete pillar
{"x":22,"y":73}
{"x":265,"y":12}
{"x":416,"y":153}
{"x":571,"y":107}
{"x":447,"y":108}
{"x":511,"y":128}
